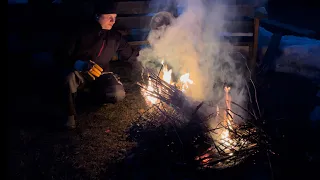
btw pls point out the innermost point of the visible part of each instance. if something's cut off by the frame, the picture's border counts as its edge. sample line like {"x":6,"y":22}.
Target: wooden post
{"x":254,"y":50}
{"x":270,"y":55}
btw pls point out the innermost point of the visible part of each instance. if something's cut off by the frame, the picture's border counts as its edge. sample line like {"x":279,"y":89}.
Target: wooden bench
{"x":134,"y":18}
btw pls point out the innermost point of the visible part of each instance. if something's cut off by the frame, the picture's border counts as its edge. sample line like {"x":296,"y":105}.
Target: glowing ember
{"x":232,"y":143}
{"x":225,"y":139}
{"x":228,"y":114}
{"x":226,"y":143}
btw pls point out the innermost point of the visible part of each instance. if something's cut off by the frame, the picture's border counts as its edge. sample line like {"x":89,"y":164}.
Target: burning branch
{"x":232,"y":143}
{"x":162,"y":90}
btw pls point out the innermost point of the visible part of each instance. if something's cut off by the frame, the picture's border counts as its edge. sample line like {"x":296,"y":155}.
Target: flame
{"x":227,"y":143}
{"x":166,"y":75}
{"x":149,"y":98}
{"x":185,"y":80}
{"x":228,"y":115}
{"x":226,"y":140}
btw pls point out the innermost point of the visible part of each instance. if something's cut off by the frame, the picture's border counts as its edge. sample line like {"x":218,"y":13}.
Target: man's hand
{"x":95,"y":70}
{"x":89,"y":67}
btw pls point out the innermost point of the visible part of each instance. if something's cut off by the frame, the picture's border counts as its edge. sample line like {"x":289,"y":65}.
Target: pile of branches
{"x":163,"y":91}
{"x":212,"y":148}
{"x":231,"y":144}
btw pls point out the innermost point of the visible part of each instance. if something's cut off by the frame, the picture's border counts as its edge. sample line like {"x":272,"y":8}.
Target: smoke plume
{"x":192,"y":44}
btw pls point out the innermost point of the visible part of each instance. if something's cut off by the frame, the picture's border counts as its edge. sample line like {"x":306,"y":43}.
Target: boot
{"x":71,"y":122}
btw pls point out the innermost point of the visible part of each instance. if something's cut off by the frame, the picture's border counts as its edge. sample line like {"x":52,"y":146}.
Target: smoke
{"x":192,"y":44}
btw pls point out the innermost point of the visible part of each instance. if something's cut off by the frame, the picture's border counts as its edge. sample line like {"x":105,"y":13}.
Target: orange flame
{"x":166,"y":75}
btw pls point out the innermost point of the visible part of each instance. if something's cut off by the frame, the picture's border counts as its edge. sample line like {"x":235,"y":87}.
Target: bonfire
{"x":230,"y":142}
{"x":160,"y":86}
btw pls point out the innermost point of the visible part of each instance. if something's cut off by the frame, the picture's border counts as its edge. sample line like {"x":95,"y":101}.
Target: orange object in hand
{"x":98,"y":67}
{"x":94,"y":72}
{"x":92,"y":76}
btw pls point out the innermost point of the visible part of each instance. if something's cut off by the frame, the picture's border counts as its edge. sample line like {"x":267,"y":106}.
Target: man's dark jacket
{"x":96,"y":44}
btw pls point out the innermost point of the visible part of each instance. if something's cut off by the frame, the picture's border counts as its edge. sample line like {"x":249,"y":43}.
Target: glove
{"x":90,"y":69}
{"x":81,"y":65}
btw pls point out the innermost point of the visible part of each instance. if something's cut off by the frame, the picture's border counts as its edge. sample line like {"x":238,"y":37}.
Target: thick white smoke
{"x":192,"y":44}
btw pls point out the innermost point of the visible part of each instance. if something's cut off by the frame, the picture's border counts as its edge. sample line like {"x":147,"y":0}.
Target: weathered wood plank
{"x":238,"y":25}
{"x":243,"y":26}
{"x":138,"y":43}
{"x":132,"y":22}
{"x":239,"y":10}
{"x":137,"y":35}
{"x":144,"y":7}
{"x":132,"y":7}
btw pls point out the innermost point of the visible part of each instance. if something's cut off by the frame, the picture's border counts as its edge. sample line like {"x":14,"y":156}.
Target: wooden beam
{"x":138,"y":43}
{"x":253,"y":54}
{"x":242,"y":26}
{"x":286,"y":29}
{"x":142,"y":22}
{"x":132,"y":7}
{"x":132,"y":22}
{"x":239,"y":10}
{"x":270,"y":55}
{"x":143,"y":7}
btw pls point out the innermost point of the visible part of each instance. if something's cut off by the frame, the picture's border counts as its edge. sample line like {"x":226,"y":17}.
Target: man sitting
{"x":89,"y":54}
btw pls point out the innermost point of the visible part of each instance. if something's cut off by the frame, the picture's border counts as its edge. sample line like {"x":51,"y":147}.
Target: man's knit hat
{"x":105,"y":7}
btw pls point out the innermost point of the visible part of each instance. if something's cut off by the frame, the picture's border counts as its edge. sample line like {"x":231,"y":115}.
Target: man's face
{"x":107,"y":20}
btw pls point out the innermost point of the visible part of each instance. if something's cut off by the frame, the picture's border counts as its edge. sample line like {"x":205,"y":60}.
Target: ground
{"x":100,"y":148}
